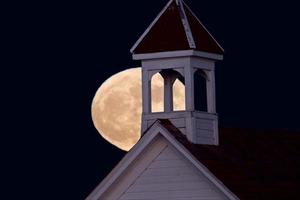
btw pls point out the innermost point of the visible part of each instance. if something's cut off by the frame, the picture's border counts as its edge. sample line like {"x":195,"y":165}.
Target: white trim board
{"x":186,"y":25}
{"x":181,"y":53}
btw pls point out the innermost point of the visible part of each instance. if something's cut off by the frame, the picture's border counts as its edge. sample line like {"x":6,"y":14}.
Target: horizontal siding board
{"x":168,"y":186}
{"x":205,"y":115}
{"x":175,"y":171}
{"x":202,"y":140}
{"x":200,"y":194}
{"x":204,"y":124}
{"x":173,"y":198}
{"x":166,"y":163}
{"x":197,"y":198}
{"x":205,"y":133}
{"x":171,"y":179}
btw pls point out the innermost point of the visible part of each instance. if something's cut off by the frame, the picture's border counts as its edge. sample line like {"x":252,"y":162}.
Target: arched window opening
{"x":174,"y":94}
{"x":157,"y":93}
{"x":200,"y":92}
{"x":178,"y":95}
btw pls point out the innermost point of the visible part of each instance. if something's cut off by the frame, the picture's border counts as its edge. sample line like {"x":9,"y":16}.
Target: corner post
{"x":146,"y":91}
{"x":211,"y":92}
{"x":168,"y":93}
{"x":189,"y":88}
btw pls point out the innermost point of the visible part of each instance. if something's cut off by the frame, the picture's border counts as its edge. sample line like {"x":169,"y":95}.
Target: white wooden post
{"x":211,"y":93}
{"x":168,"y":93}
{"x":146,"y":92}
{"x":189,"y":88}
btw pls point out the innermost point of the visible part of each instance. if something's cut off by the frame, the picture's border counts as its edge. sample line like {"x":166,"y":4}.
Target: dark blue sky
{"x":60,"y":53}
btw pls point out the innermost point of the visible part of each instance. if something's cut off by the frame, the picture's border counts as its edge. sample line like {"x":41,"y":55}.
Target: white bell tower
{"x":178,"y":46}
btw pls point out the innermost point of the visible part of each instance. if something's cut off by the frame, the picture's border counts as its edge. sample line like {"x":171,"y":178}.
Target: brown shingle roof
{"x":168,"y":34}
{"x":253,"y":164}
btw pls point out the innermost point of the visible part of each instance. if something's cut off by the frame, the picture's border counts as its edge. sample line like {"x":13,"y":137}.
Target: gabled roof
{"x":253,"y":164}
{"x":136,"y":153}
{"x":176,"y":28}
{"x":248,"y":163}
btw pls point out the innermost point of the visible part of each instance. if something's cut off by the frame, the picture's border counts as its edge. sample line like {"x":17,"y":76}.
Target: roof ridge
{"x":187,"y":28}
{"x":190,"y":10}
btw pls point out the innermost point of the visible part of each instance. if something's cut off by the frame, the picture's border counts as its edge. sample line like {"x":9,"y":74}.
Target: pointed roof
{"x":176,"y":28}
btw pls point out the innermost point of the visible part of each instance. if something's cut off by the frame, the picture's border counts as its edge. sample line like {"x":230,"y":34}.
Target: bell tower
{"x":178,"y":46}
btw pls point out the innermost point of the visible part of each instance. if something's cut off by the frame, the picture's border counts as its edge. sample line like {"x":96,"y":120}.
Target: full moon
{"x":117,"y":106}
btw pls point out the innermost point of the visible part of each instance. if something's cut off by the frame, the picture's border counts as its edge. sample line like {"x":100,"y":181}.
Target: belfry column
{"x":168,"y":93}
{"x":189,"y":101}
{"x":146,"y":92}
{"x":189,"y":88}
{"x":211,"y":92}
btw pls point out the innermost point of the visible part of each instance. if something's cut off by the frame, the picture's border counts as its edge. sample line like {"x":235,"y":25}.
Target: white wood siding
{"x":205,"y":131}
{"x":136,"y":168}
{"x":171,"y":176}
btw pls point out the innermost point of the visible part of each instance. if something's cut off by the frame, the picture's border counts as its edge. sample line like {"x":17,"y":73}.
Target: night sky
{"x":59,"y":54}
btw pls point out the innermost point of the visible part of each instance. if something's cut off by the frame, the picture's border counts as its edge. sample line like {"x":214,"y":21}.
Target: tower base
{"x":198,"y":127}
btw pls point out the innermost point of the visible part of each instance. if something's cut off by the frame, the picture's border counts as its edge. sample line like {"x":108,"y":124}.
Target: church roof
{"x":253,"y":164}
{"x":176,"y":28}
{"x":248,"y":164}
{"x":158,"y":141}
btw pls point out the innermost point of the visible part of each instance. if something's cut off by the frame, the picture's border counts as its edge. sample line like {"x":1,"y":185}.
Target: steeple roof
{"x":176,"y":28}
